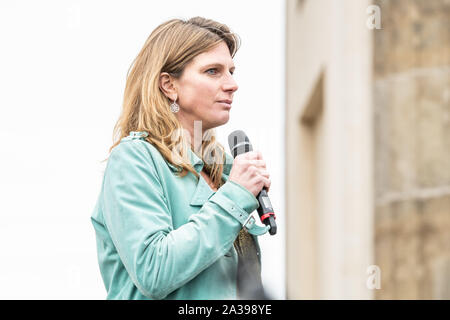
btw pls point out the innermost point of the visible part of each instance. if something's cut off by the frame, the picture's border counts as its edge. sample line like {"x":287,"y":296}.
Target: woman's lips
{"x":226,"y":103}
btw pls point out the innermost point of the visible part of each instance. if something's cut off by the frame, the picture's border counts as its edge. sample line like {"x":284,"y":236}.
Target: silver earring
{"x":174,"y":107}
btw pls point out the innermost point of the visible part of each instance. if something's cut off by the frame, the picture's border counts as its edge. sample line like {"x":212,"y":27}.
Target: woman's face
{"x":205,"y":82}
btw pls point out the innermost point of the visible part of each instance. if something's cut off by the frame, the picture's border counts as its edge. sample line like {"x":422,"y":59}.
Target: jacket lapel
{"x":203,"y":191}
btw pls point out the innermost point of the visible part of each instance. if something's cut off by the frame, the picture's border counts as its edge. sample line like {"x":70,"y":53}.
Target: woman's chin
{"x":224,"y":119}
{"x":217,"y":119}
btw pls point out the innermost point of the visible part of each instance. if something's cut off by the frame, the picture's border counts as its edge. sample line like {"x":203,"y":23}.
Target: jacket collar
{"x":198,"y":163}
{"x":203,"y":191}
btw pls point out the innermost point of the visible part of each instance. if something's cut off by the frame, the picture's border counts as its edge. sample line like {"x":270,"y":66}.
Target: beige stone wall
{"x":329,"y":187}
{"x":412,"y":149}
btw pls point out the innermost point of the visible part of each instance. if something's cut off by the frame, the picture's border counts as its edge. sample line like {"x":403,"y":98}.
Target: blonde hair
{"x":169,"y":48}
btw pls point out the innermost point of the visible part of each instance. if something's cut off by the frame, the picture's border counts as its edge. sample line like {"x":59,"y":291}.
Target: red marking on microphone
{"x":266,"y":215}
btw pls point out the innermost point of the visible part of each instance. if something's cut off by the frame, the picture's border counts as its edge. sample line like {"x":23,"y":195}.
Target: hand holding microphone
{"x":249,"y":170}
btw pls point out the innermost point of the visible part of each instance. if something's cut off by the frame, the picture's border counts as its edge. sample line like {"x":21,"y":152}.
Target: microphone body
{"x":239,"y":143}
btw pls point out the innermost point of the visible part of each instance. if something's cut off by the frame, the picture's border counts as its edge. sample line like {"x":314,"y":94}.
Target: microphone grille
{"x":239,"y":143}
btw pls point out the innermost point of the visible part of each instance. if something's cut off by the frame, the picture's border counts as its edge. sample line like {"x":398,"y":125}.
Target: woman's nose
{"x":230,"y":85}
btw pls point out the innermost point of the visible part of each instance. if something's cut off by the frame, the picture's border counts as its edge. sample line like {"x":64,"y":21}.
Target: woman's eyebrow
{"x":217,"y":65}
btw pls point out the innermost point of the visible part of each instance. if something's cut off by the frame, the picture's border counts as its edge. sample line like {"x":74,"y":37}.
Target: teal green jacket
{"x":160,"y":236}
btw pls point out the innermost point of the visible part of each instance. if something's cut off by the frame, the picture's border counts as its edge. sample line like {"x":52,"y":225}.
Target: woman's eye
{"x":215,"y":70}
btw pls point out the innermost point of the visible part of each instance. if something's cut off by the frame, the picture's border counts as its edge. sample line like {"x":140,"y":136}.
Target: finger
{"x":264,"y":173}
{"x":251,"y":155}
{"x":259,"y":155}
{"x":257,"y":163}
{"x":267,"y":183}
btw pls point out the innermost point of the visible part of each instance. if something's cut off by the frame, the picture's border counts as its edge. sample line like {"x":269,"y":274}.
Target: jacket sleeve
{"x":158,"y":258}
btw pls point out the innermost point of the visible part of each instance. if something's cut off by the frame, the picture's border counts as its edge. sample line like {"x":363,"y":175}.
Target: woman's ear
{"x":166,"y":84}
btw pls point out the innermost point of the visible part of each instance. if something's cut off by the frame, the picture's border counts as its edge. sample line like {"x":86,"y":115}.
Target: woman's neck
{"x":195,"y":130}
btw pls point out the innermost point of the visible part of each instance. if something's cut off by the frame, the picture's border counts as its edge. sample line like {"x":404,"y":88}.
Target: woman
{"x":168,"y":223}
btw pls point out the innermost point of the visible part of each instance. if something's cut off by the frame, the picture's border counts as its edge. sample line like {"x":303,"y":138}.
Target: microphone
{"x":239,"y":143}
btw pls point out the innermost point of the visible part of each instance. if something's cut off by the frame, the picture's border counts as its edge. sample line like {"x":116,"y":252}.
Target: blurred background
{"x":368,"y":149}
{"x":348,"y":101}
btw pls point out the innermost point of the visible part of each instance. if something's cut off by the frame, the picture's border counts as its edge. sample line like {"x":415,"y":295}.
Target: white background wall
{"x":62,"y":73}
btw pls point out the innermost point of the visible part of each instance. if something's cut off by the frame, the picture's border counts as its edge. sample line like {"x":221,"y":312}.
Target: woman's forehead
{"x":219,"y":55}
